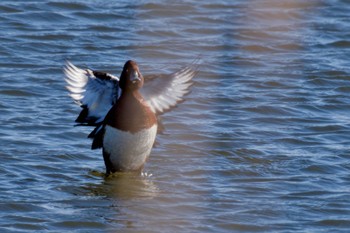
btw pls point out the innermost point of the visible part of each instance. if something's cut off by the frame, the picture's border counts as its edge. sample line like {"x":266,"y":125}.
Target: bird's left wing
{"x":163,"y":92}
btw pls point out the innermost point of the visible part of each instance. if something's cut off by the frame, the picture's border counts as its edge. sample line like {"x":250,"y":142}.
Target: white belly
{"x":128,"y":151}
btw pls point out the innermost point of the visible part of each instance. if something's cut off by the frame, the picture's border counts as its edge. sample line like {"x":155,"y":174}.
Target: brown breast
{"x":131,"y":113}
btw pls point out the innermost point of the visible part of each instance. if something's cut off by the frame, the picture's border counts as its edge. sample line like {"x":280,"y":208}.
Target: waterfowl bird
{"x":124,"y":110}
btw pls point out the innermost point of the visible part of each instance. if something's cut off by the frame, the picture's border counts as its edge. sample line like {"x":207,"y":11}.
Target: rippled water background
{"x":262,"y":143}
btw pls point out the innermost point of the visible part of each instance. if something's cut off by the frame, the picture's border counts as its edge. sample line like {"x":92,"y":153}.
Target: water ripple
{"x":261,"y":144}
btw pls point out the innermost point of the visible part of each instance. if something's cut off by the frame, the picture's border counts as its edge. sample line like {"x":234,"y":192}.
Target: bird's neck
{"x":135,"y":95}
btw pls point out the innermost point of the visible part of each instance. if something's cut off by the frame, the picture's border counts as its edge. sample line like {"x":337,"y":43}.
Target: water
{"x":260,"y":145}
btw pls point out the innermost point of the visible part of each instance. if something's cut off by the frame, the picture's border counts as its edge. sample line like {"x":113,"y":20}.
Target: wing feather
{"x":164,"y":92}
{"x":96,"y":95}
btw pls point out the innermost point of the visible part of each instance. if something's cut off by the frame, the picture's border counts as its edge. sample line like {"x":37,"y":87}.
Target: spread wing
{"x":94,"y":91}
{"x":164,"y":92}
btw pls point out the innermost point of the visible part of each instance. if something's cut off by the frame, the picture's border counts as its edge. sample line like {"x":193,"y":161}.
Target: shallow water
{"x":260,"y":145}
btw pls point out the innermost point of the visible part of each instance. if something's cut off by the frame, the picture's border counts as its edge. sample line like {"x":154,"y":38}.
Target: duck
{"x":125,"y":111}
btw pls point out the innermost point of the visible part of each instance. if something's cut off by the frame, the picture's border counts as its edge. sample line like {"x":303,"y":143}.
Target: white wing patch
{"x":164,"y":92}
{"x":92,"y":93}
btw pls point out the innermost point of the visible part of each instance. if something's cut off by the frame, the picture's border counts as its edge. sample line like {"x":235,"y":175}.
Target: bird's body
{"x":130,"y":132}
{"x":123,"y":112}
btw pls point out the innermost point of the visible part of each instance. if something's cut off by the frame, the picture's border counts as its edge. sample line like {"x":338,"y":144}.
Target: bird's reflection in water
{"x":124,"y":185}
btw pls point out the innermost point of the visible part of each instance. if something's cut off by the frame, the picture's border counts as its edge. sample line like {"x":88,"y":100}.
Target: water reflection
{"x":121,"y":186}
